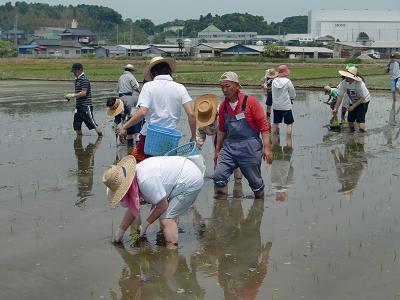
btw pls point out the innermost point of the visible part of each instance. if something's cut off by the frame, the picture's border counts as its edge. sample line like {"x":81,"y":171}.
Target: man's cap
{"x":230,"y":76}
{"x":76,"y":66}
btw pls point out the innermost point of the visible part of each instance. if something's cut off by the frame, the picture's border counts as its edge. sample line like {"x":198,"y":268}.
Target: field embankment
{"x":311,"y":74}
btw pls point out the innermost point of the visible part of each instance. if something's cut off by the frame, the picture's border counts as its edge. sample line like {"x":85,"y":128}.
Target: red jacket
{"x":254,"y":113}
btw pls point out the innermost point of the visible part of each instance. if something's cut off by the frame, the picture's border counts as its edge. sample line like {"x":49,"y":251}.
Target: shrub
{"x":7,"y":49}
{"x":353,"y":60}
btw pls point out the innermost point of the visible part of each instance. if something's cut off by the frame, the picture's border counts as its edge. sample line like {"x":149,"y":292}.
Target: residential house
{"x":9,"y":35}
{"x":166,"y":50}
{"x":294,"y":52}
{"x":239,"y":49}
{"x":352,"y":49}
{"x":50,"y":33}
{"x":210,"y":49}
{"x":76,"y":36}
{"x":49,"y":48}
{"x":129,"y":50}
{"x":41,"y":48}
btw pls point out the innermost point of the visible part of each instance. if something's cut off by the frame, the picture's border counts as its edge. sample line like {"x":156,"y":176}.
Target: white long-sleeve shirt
{"x":282,"y":93}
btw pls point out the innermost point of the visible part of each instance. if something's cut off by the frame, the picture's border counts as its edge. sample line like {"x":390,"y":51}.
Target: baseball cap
{"x":76,"y":66}
{"x":230,"y":76}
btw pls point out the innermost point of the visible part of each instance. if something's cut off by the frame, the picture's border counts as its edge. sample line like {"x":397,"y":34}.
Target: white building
{"x":174,"y":28}
{"x":212,"y":34}
{"x":345,"y":25}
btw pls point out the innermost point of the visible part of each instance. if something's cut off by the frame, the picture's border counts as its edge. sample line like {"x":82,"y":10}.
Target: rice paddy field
{"x":312,"y":75}
{"x":328,"y":227}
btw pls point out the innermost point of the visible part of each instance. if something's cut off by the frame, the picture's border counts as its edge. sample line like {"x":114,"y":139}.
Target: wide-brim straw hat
{"x":351,"y":73}
{"x":118,"y":179}
{"x":129,"y":67}
{"x":116,"y":109}
{"x":205,"y":109}
{"x":271,"y":73}
{"x":157,"y":60}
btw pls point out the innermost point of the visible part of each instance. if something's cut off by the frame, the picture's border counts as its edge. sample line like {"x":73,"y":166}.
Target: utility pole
{"x":117,"y":36}
{"x":279,"y":32}
{"x":130,"y":41}
{"x":16,"y":31}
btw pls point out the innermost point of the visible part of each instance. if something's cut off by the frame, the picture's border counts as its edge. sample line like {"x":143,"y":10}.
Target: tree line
{"x":108,"y":24}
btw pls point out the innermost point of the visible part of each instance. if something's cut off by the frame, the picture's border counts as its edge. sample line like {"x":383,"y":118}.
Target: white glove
{"x":69,"y":96}
{"x":143,"y":228}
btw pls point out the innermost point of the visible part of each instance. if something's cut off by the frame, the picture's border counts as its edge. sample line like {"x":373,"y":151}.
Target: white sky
{"x":276,"y":10}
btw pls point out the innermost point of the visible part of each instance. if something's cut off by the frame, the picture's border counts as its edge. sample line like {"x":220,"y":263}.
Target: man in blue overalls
{"x":241,"y":120}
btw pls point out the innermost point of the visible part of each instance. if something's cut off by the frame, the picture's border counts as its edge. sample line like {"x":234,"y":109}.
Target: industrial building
{"x":212,"y":34}
{"x":345,"y":25}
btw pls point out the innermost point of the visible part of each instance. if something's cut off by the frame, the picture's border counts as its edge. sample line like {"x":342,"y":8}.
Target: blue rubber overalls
{"x":242,"y":148}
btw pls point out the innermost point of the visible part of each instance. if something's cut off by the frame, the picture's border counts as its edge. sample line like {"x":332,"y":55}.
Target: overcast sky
{"x":160,"y":11}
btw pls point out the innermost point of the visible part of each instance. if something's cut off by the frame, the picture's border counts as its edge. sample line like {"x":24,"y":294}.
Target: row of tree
{"x":109,"y":24}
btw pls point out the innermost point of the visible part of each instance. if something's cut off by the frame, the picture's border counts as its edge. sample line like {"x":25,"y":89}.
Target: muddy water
{"x":327,"y":229}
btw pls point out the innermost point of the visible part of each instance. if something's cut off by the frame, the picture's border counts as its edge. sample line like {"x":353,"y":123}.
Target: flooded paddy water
{"x":328,"y":228}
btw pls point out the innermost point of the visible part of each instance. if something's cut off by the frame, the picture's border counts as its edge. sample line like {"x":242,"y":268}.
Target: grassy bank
{"x":312,"y":74}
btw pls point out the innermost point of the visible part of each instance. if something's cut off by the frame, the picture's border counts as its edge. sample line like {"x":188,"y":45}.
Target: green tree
{"x":362,"y":36}
{"x":7,"y":49}
{"x":146,"y":25}
{"x":274,"y":50}
{"x":159,"y":38}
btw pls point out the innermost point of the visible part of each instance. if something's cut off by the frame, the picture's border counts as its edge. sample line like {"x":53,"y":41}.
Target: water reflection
{"x":153,"y":274}
{"x":85,"y":160}
{"x":394,"y":114}
{"x":350,"y":163}
{"x":231,"y":248}
{"x":281,"y":168}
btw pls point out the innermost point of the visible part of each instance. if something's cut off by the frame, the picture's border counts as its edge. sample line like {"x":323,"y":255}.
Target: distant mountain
{"x":108,"y":24}
{"x":243,"y":22}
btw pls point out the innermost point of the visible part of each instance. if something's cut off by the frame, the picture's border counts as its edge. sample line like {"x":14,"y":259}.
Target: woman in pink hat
{"x":283,"y":94}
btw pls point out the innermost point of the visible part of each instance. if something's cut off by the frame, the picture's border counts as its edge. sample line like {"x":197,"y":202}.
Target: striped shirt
{"x":82,"y":84}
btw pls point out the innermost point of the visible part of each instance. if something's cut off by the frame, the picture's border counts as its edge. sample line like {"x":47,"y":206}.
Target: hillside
{"x":105,"y":22}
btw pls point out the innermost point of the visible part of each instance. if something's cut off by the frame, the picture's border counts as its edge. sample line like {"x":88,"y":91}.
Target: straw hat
{"x":271,"y":73}
{"x":118,"y":178}
{"x":205,"y":109}
{"x":155,"y":61}
{"x":283,"y":71}
{"x":351,"y":73}
{"x":114,"y":109}
{"x":130,"y":67}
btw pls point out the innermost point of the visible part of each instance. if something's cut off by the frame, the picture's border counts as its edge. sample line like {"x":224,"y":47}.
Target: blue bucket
{"x":188,"y":149}
{"x":160,"y":140}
